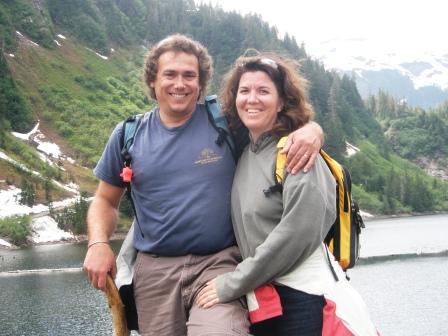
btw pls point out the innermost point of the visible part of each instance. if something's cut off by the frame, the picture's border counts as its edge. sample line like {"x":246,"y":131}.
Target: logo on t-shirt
{"x":208,"y":156}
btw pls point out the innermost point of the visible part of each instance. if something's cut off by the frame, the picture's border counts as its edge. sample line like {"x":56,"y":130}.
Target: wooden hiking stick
{"x":116,"y":308}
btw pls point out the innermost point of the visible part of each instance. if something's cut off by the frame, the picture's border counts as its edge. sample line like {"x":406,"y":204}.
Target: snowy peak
{"x":423,"y":68}
{"x":376,"y":65}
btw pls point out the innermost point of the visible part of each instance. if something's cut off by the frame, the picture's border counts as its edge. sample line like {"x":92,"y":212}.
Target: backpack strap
{"x":341,"y":175}
{"x":219,"y":122}
{"x":129,"y":129}
{"x":280,"y":161}
{"x":279,"y":171}
{"x":130,"y":126}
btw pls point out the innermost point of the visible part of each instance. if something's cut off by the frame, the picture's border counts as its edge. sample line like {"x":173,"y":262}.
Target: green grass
{"x":16,"y":229}
{"x":20,"y":151}
{"x":80,"y":95}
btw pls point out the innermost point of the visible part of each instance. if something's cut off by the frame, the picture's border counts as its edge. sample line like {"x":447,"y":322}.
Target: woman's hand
{"x":302,"y":147}
{"x":208,"y":296}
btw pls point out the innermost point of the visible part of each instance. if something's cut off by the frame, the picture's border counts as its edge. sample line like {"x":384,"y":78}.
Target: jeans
{"x":302,"y":315}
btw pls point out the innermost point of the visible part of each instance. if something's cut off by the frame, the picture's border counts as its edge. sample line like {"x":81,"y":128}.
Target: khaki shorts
{"x":165,"y":289}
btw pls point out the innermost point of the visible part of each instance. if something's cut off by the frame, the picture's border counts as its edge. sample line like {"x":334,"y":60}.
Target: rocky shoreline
{"x":5,"y":245}
{"x":73,"y":239}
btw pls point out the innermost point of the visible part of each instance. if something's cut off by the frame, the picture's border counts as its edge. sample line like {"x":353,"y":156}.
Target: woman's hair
{"x":178,"y":43}
{"x":291,"y":87}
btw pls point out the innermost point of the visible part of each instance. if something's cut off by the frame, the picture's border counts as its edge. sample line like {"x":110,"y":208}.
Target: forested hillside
{"x":75,"y":66}
{"x":414,"y":133}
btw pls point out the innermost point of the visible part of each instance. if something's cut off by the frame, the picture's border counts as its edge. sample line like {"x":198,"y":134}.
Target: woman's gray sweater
{"x":275,"y":233}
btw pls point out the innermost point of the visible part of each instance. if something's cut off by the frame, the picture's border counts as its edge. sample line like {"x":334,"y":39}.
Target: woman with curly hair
{"x":280,"y":234}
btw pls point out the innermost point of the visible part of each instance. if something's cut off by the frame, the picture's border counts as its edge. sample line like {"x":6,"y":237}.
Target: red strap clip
{"x":126,"y":174}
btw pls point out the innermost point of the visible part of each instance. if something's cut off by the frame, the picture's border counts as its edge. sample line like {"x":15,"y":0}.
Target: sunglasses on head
{"x":263,"y":60}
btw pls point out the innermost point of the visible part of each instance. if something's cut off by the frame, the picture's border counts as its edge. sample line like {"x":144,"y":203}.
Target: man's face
{"x":177,"y":84}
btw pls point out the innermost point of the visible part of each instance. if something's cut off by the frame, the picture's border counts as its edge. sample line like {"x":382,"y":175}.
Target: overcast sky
{"x":401,"y":26}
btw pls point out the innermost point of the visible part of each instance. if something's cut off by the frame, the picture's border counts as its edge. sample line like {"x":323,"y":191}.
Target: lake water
{"x":403,"y":277}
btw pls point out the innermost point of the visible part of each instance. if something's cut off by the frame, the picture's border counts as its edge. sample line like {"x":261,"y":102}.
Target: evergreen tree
{"x":27,"y":194}
{"x":13,"y":107}
{"x":335,"y":142}
{"x":422,"y":200}
{"x":74,"y":218}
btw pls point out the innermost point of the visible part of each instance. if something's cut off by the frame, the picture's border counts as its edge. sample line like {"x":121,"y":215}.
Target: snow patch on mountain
{"x":350,"y":149}
{"x":18,"y":165}
{"x":26,"y":136}
{"x":48,"y":152}
{"x":5,"y":243}
{"x":358,"y":55}
{"x":99,"y":55}
{"x":45,"y":229}
{"x":47,"y":149}
{"x":10,"y":205}
{"x":27,"y":40}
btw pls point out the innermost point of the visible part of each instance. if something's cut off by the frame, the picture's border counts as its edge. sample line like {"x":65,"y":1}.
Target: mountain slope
{"x":81,"y":85}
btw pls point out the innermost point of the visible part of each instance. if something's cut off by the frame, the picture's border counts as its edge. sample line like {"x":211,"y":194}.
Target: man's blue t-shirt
{"x":181,"y":185}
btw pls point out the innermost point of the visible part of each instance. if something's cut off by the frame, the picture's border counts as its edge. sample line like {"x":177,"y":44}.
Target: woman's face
{"x":257,"y":102}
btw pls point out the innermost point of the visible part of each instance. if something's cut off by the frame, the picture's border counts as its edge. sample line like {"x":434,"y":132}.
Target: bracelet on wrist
{"x":97,"y":242}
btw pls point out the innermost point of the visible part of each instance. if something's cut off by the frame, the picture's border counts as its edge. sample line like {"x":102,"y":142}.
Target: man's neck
{"x":171,"y":120}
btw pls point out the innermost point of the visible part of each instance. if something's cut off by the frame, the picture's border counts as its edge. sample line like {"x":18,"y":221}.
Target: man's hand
{"x":302,"y":147}
{"x":208,"y":296}
{"x":101,"y":222}
{"x":100,"y":261}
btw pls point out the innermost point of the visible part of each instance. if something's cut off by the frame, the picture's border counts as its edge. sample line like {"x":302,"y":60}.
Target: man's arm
{"x":302,"y":147}
{"x":101,"y":223}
